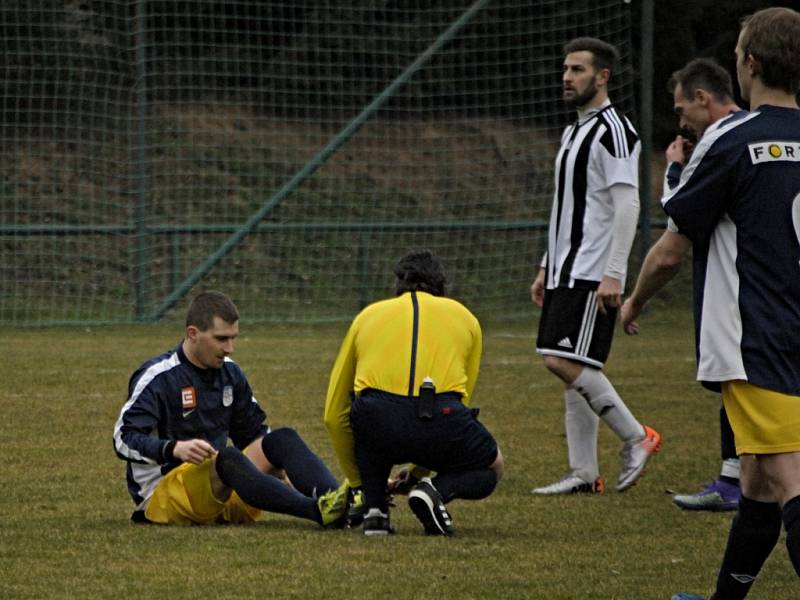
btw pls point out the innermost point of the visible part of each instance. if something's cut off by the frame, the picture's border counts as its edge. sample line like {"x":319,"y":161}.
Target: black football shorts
{"x":572,"y":327}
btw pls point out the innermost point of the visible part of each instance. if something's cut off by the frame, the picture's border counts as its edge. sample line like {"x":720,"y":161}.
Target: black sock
{"x":754,"y":533}
{"x":285,"y":449}
{"x":261,"y":490}
{"x":727,"y":443}
{"x":731,"y":480}
{"x":791,"y":520}
{"x":466,"y":485}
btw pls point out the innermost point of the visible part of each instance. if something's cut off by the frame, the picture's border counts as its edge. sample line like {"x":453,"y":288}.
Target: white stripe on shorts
{"x":587,"y":326}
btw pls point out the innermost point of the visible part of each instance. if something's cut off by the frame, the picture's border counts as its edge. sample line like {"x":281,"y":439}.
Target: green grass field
{"x":64,"y":509}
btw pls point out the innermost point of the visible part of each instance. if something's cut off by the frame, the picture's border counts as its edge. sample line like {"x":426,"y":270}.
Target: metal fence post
{"x":140,"y":169}
{"x":646,"y":111}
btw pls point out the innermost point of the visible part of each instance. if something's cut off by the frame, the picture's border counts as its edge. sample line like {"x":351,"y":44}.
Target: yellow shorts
{"x":763,"y":421}
{"x":184,"y":497}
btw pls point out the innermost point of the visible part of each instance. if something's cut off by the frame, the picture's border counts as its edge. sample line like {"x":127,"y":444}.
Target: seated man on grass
{"x":183,"y":406}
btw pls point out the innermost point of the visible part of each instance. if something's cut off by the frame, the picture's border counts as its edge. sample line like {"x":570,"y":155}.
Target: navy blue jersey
{"x":672,"y":175}
{"x":738,"y":200}
{"x":170,"y":399}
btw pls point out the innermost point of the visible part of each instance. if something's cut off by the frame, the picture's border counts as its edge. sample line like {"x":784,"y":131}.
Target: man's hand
{"x":680,"y":150}
{"x":402,"y":482}
{"x":628,"y":314}
{"x":537,"y":289}
{"x":609,"y":293}
{"x":193,"y":451}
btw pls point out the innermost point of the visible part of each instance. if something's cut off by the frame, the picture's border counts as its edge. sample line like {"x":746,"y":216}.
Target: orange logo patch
{"x":188,"y":397}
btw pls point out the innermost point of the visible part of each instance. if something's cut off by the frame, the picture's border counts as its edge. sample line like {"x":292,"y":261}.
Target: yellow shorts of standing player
{"x":184,"y":497}
{"x":763,"y":421}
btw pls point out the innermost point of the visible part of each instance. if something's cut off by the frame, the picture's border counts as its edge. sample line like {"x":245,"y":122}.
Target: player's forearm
{"x":651,"y":280}
{"x":626,"y":216}
{"x":661,"y":264}
{"x":672,"y":176}
{"x":133,"y":433}
{"x":135,"y":446}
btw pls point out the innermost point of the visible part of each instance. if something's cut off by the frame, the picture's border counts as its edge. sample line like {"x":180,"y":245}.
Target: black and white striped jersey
{"x":599,"y":150}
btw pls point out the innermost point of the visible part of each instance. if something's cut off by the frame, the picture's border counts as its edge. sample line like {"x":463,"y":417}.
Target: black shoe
{"x":377,"y":523}
{"x":428,"y":506}
{"x":356,"y":508}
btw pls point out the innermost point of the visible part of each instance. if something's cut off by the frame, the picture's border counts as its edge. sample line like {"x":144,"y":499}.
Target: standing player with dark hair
{"x":739,"y":203}
{"x":580,"y":283}
{"x":182,"y":408}
{"x":702,"y":93}
{"x":399,"y":393}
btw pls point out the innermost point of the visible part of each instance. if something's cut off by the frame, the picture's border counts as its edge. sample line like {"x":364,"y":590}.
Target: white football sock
{"x":593,"y":385}
{"x":730,"y":468}
{"x":581,"y":425}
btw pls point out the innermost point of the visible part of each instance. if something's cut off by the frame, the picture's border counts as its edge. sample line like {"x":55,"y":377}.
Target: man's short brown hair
{"x":772,"y":37}
{"x":208,"y":305}
{"x":703,"y":74}
{"x":604,"y":55}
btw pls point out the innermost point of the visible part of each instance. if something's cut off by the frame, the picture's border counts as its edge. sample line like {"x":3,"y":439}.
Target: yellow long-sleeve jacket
{"x":377,"y":354}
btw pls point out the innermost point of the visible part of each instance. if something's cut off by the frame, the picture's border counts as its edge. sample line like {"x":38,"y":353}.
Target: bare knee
{"x":771,"y":477}
{"x":498,"y":466}
{"x":553,"y":363}
{"x":563,"y":368}
{"x":255,"y":452}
